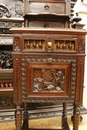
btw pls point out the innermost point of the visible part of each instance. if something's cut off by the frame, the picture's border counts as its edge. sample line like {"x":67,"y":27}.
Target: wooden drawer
{"x":46,"y":20}
{"x":47,"y":24}
{"x":46,"y":6}
{"x":49,"y":43}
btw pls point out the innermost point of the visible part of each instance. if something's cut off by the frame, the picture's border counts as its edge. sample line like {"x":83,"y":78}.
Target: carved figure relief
{"x":48,"y":80}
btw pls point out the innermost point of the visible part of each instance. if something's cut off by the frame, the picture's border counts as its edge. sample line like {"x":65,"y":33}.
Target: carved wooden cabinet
{"x":48,"y":67}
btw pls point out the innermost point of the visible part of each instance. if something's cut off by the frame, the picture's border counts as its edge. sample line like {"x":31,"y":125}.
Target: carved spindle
{"x":6,"y":85}
{"x":1,"y":85}
{"x":34,"y":45}
{"x":58,"y":45}
{"x":64,"y":46}
{"x":40,"y":45}
{"x":70,"y":46}
{"x":28,"y":45}
{"x":10,"y":85}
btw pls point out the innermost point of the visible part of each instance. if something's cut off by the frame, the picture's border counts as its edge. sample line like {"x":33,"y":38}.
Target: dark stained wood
{"x":41,"y":14}
{"x":50,"y":72}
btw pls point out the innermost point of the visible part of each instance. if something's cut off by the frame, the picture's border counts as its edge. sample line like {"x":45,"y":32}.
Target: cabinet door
{"x":48,"y":77}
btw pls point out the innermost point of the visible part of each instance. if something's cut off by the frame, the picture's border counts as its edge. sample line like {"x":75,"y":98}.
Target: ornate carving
{"x":6,"y":102}
{"x":6,"y":60}
{"x":81,"y":45}
{"x":80,"y":74}
{"x":71,"y":60}
{"x":4,"y":31}
{"x":41,"y":45}
{"x":10,"y":24}
{"x":6,"y":84}
{"x":46,"y":100}
{"x":6,"y":39}
{"x":4,"y":10}
{"x":11,"y":9}
{"x":18,"y":8}
{"x":34,"y":44}
{"x":17,"y":78}
{"x":64,"y":45}
{"x":48,"y":80}
{"x":16,"y":46}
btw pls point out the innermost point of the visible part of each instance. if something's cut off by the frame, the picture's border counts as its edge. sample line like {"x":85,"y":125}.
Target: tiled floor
{"x":52,"y":122}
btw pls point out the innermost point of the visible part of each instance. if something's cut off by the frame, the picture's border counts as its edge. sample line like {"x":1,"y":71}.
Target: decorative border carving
{"x":16,"y":45}
{"x":17,"y":79}
{"x":10,"y":24}
{"x":80,"y":73}
{"x":81,"y":45}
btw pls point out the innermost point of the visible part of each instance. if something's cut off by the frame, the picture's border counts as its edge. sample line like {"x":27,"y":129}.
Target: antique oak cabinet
{"x":48,"y":67}
{"x":34,"y":13}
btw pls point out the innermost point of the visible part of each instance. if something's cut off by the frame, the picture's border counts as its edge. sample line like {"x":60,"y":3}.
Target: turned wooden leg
{"x":76,"y":117}
{"x":64,"y":118}
{"x":63,"y":115}
{"x":18,"y":118}
{"x":25,"y":118}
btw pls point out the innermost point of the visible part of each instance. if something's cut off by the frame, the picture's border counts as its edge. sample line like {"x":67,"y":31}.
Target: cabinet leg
{"x":65,"y":125}
{"x":76,"y":117}
{"x":18,"y":118}
{"x":25,"y":118}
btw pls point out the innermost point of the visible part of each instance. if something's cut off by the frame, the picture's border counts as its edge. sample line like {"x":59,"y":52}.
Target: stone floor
{"x":52,"y":122}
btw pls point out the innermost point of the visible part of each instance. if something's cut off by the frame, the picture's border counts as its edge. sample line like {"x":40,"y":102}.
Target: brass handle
{"x":49,"y":44}
{"x":50,"y":60}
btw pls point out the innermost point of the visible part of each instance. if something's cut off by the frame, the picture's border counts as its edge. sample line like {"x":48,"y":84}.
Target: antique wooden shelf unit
{"x":48,"y":59}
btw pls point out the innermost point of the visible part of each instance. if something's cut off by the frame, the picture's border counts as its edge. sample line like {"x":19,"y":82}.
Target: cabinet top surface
{"x":48,"y":30}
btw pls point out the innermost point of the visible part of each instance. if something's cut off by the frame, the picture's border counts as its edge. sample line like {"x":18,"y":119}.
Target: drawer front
{"x":47,"y":24}
{"x":45,"y":78}
{"x":42,"y":7}
{"x":49,"y":43}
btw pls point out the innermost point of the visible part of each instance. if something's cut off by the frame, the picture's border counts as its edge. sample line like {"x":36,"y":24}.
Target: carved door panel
{"x":48,"y":79}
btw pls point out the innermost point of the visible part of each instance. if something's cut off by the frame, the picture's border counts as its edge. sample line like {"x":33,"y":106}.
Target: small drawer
{"x":47,"y":24}
{"x":41,"y":7}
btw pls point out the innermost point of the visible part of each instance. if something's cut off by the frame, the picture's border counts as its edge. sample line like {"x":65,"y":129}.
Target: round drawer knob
{"x":46,"y":7}
{"x":49,"y":60}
